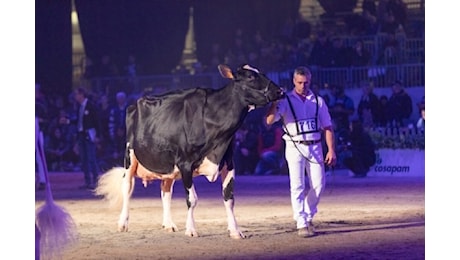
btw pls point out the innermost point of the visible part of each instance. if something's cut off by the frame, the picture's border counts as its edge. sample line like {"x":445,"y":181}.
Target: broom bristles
{"x":54,"y":227}
{"x":57,"y":230}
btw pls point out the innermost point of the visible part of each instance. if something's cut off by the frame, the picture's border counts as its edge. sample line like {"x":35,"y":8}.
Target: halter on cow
{"x":183,"y":134}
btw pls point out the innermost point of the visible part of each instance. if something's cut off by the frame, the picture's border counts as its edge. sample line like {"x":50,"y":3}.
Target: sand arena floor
{"x":359,"y":218}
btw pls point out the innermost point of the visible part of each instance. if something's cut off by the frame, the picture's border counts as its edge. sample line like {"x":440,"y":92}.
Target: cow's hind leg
{"x":127,"y":188}
{"x":116,"y":186}
{"x":228,"y":178}
{"x":167,"y":186}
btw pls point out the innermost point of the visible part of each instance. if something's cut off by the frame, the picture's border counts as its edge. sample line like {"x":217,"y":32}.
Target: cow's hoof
{"x":191,"y":233}
{"x":122,"y":228}
{"x":170,"y":229}
{"x":235,"y":234}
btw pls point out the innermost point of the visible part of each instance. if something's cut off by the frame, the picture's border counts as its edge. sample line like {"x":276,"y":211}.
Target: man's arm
{"x":270,"y":116}
{"x":330,"y":158}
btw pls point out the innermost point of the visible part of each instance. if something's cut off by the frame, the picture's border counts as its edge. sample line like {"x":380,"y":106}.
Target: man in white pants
{"x":306,"y":119}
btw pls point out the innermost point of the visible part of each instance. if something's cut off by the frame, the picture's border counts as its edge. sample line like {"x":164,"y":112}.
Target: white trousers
{"x":305,"y":160}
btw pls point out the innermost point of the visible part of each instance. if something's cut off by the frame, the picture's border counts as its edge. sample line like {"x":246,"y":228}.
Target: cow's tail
{"x":54,"y":226}
{"x":110,"y":186}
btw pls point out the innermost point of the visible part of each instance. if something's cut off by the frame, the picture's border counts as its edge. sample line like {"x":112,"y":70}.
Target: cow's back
{"x":162,"y":129}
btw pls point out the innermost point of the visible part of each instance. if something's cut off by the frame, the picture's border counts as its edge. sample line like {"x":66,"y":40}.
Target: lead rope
{"x":297,"y":127}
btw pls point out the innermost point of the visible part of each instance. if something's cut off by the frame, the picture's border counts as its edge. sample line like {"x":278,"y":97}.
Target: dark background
{"x":154,"y":31}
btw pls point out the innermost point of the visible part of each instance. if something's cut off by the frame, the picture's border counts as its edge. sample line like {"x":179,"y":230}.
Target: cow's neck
{"x":231,"y":104}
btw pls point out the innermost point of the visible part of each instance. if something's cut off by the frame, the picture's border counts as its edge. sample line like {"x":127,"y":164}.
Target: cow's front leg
{"x":191,"y":200}
{"x":167,"y":186}
{"x":228,"y":179}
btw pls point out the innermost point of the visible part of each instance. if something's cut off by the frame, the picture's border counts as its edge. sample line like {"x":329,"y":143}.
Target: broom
{"x":54,"y":227}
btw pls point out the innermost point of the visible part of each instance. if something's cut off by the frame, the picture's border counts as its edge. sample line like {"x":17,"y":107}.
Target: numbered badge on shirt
{"x":307,"y":125}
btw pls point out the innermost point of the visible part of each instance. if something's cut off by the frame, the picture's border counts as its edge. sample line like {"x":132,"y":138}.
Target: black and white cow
{"x":183,"y":134}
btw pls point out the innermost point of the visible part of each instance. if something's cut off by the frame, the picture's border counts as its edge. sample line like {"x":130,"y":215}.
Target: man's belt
{"x":307,"y":142}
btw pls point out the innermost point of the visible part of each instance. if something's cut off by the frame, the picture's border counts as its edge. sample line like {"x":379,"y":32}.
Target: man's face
{"x":301,"y":83}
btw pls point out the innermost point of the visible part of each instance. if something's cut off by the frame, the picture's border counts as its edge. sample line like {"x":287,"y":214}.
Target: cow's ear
{"x":225,"y":71}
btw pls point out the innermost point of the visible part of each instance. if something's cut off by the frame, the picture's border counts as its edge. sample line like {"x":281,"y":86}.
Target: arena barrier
{"x":399,"y":162}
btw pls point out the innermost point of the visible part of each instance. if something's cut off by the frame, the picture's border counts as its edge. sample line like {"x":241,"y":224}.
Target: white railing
{"x":409,"y":137}
{"x":350,"y":77}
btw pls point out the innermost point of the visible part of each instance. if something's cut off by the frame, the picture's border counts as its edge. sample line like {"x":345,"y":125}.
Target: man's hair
{"x":302,"y":70}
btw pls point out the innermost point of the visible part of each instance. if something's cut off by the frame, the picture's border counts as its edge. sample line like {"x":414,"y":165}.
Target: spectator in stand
{"x":341,"y":108}
{"x":117,"y":128}
{"x":270,"y":149}
{"x":399,"y":105}
{"x":371,"y":25}
{"x":104,"y":108}
{"x":293,"y":56}
{"x":422,"y":102}
{"x":362,"y":149}
{"x":320,"y":54}
{"x":132,"y":70}
{"x":391,"y":50}
{"x":368,"y":106}
{"x":104,"y":146}
{"x":245,"y":151}
{"x":42,"y":108}
{"x":421,"y":120}
{"x":315,"y":88}
{"x":340,"y":54}
{"x":359,"y":56}
{"x":399,"y":9}
{"x":389,"y":23}
{"x":364,"y":23}
{"x":107,"y":69}
{"x":59,"y":151}
{"x":381,"y":117}
{"x":68,"y":133}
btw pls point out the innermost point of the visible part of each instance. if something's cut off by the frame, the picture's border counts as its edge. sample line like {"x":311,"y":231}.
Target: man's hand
{"x":330,"y":159}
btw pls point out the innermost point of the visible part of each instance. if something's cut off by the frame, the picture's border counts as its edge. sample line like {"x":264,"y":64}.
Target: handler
{"x":306,"y":119}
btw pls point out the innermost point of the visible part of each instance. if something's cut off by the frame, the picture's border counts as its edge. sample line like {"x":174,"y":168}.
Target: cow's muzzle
{"x":273,"y":92}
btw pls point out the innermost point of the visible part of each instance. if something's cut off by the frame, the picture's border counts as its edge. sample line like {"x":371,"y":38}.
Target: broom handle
{"x":39,"y":147}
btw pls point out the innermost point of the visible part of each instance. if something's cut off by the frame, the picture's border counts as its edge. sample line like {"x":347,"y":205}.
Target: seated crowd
{"x":258,"y":148}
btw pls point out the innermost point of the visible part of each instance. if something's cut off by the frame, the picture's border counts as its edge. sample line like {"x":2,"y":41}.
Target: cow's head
{"x":255,"y":87}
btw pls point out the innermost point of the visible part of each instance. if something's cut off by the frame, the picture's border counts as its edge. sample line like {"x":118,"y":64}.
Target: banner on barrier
{"x":399,"y":162}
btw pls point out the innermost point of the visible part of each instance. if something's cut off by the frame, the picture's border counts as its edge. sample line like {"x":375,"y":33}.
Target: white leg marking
{"x":190,"y":224}
{"x":233,"y":229}
{"x":126,"y":193}
{"x":166,"y":198}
